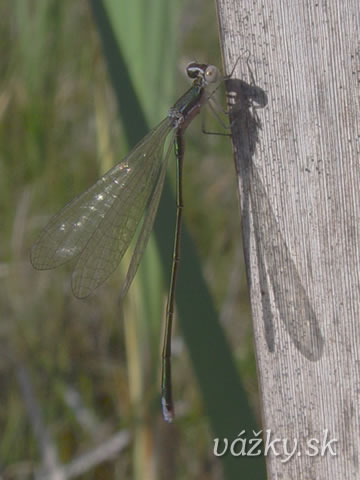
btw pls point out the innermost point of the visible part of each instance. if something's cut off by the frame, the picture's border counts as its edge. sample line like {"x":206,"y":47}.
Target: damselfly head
{"x":204,"y":72}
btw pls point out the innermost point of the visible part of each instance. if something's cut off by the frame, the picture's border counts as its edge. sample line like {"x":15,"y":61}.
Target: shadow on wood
{"x":272,"y":253}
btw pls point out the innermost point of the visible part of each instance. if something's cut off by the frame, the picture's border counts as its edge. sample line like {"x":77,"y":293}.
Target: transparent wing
{"x":109,"y":242}
{"x":112,"y":206}
{"x":146,"y":228}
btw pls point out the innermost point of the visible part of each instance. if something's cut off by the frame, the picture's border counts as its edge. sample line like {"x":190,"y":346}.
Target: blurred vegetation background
{"x":75,"y":374}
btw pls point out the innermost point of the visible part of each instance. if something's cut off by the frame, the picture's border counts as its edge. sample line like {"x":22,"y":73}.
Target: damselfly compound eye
{"x":212,"y":74}
{"x":194,"y":70}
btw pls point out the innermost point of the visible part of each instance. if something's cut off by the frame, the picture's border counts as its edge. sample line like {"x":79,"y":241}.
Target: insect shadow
{"x":272,"y":253}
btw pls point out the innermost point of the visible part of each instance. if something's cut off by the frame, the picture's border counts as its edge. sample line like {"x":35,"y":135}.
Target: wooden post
{"x":299,"y":186}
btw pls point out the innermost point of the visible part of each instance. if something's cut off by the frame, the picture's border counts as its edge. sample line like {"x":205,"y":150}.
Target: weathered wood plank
{"x":300,"y":205}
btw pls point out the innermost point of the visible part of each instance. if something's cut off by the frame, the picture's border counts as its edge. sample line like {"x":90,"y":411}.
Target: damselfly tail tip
{"x":167,"y":410}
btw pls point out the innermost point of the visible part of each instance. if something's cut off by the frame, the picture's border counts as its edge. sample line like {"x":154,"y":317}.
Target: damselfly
{"x":99,"y":224}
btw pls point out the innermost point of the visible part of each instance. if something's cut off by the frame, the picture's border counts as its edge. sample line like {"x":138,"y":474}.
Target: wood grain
{"x":299,"y":179}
